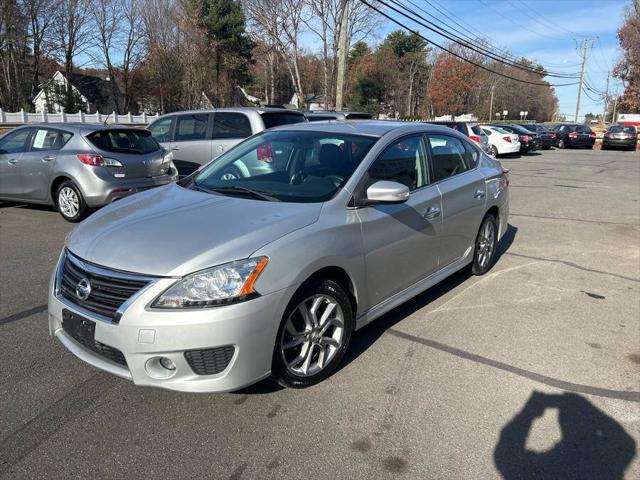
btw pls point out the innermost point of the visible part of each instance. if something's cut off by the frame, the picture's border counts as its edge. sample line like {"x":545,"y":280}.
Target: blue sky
{"x":542,"y":30}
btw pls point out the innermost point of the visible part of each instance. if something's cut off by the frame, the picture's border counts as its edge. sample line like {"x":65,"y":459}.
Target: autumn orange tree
{"x":451,"y":86}
{"x":628,"y":69}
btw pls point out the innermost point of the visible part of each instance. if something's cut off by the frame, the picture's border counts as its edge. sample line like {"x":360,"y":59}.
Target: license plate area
{"x":81,"y":329}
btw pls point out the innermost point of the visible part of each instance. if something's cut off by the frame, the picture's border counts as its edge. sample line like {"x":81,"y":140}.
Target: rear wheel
{"x":70,"y":202}
{"x":494,"y":151}
{"x":313,"y":336}
{"x":485,"y":247}
{"x":561,"y":144}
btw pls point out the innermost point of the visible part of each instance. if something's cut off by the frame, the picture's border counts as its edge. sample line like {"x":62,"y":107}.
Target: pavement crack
{"x":567,"y":219}
{"x":23,"y":314}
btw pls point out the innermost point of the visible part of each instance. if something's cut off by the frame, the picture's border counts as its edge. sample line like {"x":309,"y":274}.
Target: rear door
{"x":229,"y":129}
{"x":191,"y":144}
{"x":401,"y":241}
{"x":463,"y":192}
{"x":12,"y":147}
{"x":37,"y":162}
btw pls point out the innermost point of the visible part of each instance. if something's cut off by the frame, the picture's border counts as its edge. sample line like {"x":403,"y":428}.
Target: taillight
{"x":525,"y":138}
{"x":93,"y":160}
{"x":607,"y":134}
{"x":475,"y":138}
{"x":507,"y":139}
{"x":592,"y":134}
{"x":573,"y":134}
{"x":554,"y":136}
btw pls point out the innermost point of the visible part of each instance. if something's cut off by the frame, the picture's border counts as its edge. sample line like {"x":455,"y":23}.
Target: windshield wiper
{"x":236,"y":189}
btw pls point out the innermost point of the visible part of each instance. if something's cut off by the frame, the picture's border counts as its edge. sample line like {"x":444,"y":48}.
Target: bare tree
{"x":70,"y":30}
{"x":38,"y":13}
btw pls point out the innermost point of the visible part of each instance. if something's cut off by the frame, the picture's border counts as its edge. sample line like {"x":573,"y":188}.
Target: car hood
{"x":172,"y":231}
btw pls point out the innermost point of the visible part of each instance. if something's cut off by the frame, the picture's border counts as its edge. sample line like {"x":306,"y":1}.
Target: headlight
{"x":221,"y":285}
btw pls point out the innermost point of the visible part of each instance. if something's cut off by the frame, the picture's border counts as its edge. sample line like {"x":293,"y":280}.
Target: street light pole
{"x":491,"y":103}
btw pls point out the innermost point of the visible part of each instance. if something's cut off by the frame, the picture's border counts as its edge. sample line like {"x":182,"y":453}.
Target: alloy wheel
{"x":68,"y":202}
{"x":312,"y":335}
{"x":486,"y":244}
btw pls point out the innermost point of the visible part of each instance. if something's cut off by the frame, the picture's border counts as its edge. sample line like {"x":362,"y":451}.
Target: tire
{"x":70,"y":202}
{"x":494,"y":151}
{"x":488,"y":230}
{"x":603,"y":147}
{"x":561,"y":144}
{"x":288,"y":364}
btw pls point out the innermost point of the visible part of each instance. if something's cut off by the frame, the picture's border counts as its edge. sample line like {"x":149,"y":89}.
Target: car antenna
{"x":105,"y":120}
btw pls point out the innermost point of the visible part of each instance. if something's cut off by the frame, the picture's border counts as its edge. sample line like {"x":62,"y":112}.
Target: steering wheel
{"x":337,"y":180}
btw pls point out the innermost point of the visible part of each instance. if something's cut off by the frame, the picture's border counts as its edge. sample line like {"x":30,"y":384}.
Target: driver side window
{"x":403,"y":162}
{"x":15,"y":142}
{"x":449,"y":157}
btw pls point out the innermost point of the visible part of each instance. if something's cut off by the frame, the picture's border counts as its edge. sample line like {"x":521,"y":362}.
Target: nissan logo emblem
{"x":83,"y":289}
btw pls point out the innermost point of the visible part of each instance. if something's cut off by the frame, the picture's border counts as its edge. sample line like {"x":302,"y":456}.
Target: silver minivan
{"x":198,"y":136}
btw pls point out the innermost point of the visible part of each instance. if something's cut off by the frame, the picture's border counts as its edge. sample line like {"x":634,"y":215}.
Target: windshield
{"x":290,"y":166}
{"x":124,"y":141}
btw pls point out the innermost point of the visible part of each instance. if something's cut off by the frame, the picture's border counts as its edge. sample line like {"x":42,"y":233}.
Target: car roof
{"x":238,"y":110}
{"x":373,"y":128}
{"x":76,"y":126}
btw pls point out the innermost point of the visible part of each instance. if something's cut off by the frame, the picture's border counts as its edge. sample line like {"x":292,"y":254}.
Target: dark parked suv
{"x":575,"y":135}
{"x":619,"y":136}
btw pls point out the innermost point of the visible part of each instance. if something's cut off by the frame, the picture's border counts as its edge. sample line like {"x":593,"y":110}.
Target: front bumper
{"x":619,"y":142}
{"x":143,"y":335}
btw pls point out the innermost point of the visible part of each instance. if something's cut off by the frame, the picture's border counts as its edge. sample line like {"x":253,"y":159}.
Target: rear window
{"x":359,"y":116}
{"x":124,"y":141}
{"x":477,"y":130}
{"x":621,"y":129}
{"x":320,"y":118}
{"x":276,"y":119}
{"x":583,"y":129}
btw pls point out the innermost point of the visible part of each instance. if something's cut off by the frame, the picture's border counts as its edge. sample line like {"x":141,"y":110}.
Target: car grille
{"x":109,"y":289}
{"x":95,"y":346}
{"x":209,"y":361}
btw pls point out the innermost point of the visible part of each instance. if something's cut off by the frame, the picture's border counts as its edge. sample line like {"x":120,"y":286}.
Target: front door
{"x":463,"y":192}
{"x":401,"y":241}
{"x":12,"y":147}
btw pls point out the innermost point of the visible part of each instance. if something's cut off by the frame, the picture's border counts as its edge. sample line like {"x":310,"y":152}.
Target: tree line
{"x":167,"y":55}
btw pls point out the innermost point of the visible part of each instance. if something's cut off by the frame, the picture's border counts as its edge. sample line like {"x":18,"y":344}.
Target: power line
{"x":481,"y":42}
{"x":482,"y":67}
{"x":547,"y":23}
{"x":456,"y":39}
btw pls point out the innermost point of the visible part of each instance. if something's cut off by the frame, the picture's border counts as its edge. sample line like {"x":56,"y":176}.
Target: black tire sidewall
{"x":279,"y":371}
{"x":82,"y":206}
{"x":476,"y":269}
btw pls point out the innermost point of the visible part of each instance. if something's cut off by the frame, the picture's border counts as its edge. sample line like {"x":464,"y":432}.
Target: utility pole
{"x":583,"y":53}
{"x":615,"y":105}
{"x":606,"y":99}
{"x":493,"y":87}
{"x":342,"y":54}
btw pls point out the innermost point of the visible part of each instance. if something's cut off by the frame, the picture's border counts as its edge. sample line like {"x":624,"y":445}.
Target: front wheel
{"x":70,"y":202}
{"x":313,"y":336}
{"x":485,"y":246}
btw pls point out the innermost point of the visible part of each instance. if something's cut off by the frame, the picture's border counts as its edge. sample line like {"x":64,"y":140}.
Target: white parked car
{"x":501,"y":141}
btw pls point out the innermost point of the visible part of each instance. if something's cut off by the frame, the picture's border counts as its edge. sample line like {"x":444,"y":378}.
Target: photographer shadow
{"x":593,"y":445}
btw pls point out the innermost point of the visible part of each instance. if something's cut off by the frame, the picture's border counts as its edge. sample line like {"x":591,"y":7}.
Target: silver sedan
{"x":218,"y":281}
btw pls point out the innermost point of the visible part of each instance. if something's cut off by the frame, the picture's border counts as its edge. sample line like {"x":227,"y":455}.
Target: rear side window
{"x":276,"y":119}
{"x":191,"y":127}
{"x":47,"y":139}
{"x":15,"y":142}
{"x":449,"y":157}
{"x":231,"y":125}
{"x":161,"y":130}
{"x":124,"y":141}
{"x":403,"y":162}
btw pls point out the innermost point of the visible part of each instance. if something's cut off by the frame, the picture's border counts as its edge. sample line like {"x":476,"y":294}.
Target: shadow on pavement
{"x":593,"y":445}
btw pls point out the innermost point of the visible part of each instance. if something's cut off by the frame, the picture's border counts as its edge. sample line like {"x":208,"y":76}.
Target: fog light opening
{"x":160,"y":368}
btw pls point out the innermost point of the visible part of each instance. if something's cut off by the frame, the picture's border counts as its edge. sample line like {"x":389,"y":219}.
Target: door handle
{"x":175,"y":148}
{"x":13,"y":161}
{"x":48,"y":158}
{"x":479,"y":194}
{"x":432,"y":212}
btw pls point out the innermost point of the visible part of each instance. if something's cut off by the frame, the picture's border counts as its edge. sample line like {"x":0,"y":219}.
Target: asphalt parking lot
{"x":532,"y":371}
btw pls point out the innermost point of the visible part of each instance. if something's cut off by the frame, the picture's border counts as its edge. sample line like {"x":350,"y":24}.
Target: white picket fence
{"x":22,"y":117}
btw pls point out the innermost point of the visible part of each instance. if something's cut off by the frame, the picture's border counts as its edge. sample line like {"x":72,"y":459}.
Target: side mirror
{"x":384,"y":191}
